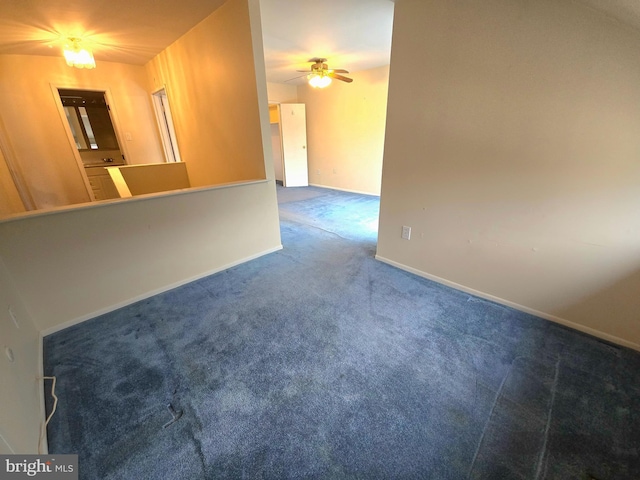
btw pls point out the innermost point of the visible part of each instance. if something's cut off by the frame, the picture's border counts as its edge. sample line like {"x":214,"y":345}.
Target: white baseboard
{"x":151,"y":293}
{"x":522,"y":308}
{"x":344,"y":190}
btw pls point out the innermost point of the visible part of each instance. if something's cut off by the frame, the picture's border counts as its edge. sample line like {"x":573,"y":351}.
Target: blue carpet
{"x":320,"y":362}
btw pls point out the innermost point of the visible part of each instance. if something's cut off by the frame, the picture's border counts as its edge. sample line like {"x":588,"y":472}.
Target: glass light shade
{"x":77,"y":55}
{"x":319,"y":81}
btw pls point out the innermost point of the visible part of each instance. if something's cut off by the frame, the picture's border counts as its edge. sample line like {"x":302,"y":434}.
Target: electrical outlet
{"x":406,"y":232}
{"x":318,"y":171}
{"x":13,"y":317}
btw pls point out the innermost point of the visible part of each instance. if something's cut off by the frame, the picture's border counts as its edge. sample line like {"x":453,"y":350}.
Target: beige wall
{"x":211,"y":85}
{"x":345,"y":131}
{"x":20,"y":395}
{"x":282,"y":93}
{"x":10,"y":202}
{"x":34,"y":128}
{"x":67,"y":266}
{"x":512,"y":151}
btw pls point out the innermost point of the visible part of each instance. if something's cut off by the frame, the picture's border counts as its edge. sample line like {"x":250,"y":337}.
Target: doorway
{"x":91,"y":127}
{"x":289,"y":143}
{"x":165,"y":124}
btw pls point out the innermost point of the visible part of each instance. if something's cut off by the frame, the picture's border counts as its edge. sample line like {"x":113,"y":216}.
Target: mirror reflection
{"x":88,"y":115}
{"x":91,"y":126}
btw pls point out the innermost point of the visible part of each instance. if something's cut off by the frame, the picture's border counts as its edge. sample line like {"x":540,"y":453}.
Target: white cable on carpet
{"x":43,"y":427}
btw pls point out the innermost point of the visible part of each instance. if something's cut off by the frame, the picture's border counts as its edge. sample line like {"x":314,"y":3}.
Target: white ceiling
{"x":351,"y":34}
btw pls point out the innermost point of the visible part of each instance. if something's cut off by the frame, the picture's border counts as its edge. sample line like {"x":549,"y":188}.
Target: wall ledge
{"x":119,"y":201}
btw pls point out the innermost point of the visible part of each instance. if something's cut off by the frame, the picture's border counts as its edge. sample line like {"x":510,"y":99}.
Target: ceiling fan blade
{"x":295,"y":78}
{"x":340,"y":77}
{"x":340,"y":70}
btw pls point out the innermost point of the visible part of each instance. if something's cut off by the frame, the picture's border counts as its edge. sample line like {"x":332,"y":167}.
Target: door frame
{"x":275,"y":106}
{"x":165,"y":125}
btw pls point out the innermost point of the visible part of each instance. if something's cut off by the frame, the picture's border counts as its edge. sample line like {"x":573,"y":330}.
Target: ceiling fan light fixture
{"x":78,"y":55}
{"x":319,"y":81}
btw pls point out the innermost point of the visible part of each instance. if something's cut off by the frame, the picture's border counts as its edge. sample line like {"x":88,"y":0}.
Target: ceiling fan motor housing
{"x":319,"y":68}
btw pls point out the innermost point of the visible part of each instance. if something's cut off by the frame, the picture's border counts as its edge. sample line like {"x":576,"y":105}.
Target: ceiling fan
{"x":320,"y":75}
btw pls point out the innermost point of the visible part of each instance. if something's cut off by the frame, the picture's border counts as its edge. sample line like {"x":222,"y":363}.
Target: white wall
{"x":75,"y":264}
{"x":20,"y":395}
{"x":282,"y":93}
{"x":512,"y":151}
{"x":345,"y":131}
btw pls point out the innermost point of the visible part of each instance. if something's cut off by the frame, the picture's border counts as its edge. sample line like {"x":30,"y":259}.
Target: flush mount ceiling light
{"x":78,"y":55}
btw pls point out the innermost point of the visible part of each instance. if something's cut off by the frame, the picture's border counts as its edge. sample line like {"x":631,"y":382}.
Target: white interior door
{"x":293,"y":131}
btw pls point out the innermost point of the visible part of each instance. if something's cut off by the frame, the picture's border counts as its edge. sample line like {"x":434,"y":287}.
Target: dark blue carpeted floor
{"x":320,"y":362}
